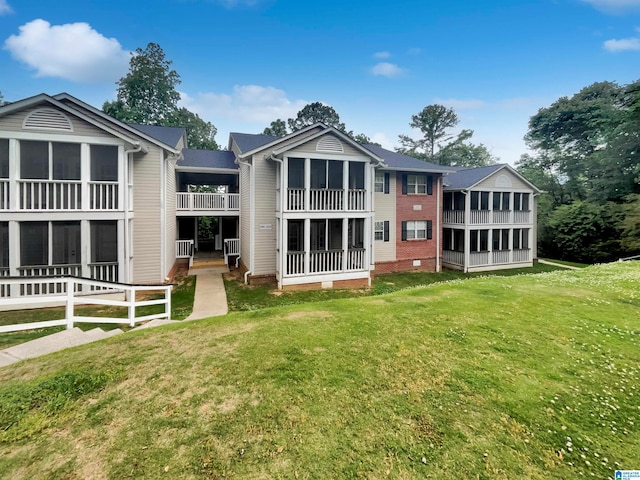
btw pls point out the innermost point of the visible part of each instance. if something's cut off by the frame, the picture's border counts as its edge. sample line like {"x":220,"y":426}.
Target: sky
{"x":245,"y":63}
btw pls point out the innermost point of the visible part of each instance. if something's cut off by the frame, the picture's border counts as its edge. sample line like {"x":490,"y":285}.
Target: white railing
{"x":452,"y":257}
{"x":479,"y":216}
{"x":207,"y":201}
{"x":184,"y":249}
{"x":325,"y":261}
{"x":356,"y":259}
{"x":231,"y":249}
{"x":4,"y":195}
{"x":106,"y":271}
{"x":522,"y":255}
{"x":50,"y":195}
{"x":323,"y":199}
{"x":68,"y":295}
{"x":478,"y":258}
{"x":50,"y":270}
{"x":103,"y":195}
{"x":295,"y":199}
{"x":501,"y":216}
{"x":4,"y":289}
{"x":454,"y":216}
{"x":295,"y":263}
{"x":357,"y":200}
{"x":500,"y":256}
{"x":522,"y":216}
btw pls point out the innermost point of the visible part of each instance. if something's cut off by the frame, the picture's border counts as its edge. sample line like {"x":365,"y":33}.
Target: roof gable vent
{"x":503,"y":182}
{"x":329,"y":144}
{"x":48,"y":119}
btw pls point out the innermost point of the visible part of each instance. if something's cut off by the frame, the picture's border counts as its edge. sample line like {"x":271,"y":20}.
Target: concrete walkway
{"x":210,"y":299}
{"x":561,"y":265}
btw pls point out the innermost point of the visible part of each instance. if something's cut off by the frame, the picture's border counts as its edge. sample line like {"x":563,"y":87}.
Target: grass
{"x":181,"y":306}
{"x":530,"y":376}
{"x":241,"y":297}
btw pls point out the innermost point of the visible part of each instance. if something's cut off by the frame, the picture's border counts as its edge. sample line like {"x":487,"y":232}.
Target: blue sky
{"x":244,"y":63}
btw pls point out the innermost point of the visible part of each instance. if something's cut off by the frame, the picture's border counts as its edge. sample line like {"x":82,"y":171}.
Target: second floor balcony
{"x":488,"y":217}
{"x":203,"y":202}
{"x":322,"y":199}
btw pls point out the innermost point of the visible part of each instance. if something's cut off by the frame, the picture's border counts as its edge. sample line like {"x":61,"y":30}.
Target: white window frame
{"x":378,"y":232}
{"x":417,"y":185}
{"x":379,"y":182}
{"x":416,"y":230}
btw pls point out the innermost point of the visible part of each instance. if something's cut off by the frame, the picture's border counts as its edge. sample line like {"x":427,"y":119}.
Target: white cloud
{"x":73,"y":51}
{"x":624,"y":44}
{"x":615,"y":6}
{"x":381,"y":55}
{"x":459,"y":104}
{"x":246,"y":103}
{"x":385,"y":69}
{"x":414,"y":51}
{"x":5,"y":8}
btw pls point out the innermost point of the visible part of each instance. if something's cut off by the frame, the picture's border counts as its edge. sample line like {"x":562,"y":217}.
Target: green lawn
{"x":530,"y":376}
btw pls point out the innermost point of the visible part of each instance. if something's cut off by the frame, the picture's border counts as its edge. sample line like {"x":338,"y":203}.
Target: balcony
{"x":59,"y":195}
{"x":488,"y":217}
{"x":325,"y":261}
{"x":202,"y":203}
{"x":326,"y":200}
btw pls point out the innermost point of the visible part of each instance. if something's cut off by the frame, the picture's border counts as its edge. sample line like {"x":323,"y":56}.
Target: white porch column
{"x":85,"y":174}
{"x":307,"y":244}
{"x":85,"y":236}
{"x":307,"y":183}
{"x":121,"y":250}
{"x":14,"y":248}
{"x":345,"y":185}
{"x":122,"y":178}
{"x":14,"y":174}
{"x":467,"y":230}
{"x":345,"y":243}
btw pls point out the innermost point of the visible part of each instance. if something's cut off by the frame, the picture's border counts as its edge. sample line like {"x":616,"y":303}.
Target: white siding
{"x":310,"y":147}
{"x":385,"y":209}
{"x":146,"y":222}
{"x":170,"y":222}
{"x":265,"y":208}
{"x":245,"y":214}
{"x":489,"y":183}
{"x":13,"y":123}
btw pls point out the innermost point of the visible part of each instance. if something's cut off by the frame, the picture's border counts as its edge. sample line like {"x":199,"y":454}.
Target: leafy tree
{"x":147,"y":95}
{"x":363,"y":139}
{"x":200,"y":134}
{"x":433,"y":121}
{"x":459,"y":153}
{"x":630,"y":235}
{"x":313,"y":113}
{"x":278,"y":128}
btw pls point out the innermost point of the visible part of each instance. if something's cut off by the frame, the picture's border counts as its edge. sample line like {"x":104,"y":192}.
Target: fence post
{"x":69,"y":313}
{"x":167,"y":305}
{"x":132,"y":306}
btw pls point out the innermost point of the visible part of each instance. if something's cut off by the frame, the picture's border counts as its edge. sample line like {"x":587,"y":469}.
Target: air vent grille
{"x":48,"y":119}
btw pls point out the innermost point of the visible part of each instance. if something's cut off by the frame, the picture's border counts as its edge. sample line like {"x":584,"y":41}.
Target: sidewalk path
{"x":210,"y":299}
{"x":568,"y":267}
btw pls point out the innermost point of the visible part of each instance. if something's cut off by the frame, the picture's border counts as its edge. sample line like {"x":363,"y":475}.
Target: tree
{"x":313,"y":113}
{"x":461,"y":154}
{"x":147,"y":95}
{"x":278,"y":128}
{"x":433,"y":121}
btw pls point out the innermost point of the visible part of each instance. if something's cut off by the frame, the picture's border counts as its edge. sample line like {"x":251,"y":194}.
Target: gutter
{"x":252,"y":207}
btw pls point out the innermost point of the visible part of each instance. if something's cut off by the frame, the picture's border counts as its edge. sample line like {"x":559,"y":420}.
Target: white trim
{"x":234,"y":171}
{"x":331,"y":277}
{"x":438,"y":223}
{"x":250,"y":153}
{"x":56,"y":137}
{"x":163,"y":215}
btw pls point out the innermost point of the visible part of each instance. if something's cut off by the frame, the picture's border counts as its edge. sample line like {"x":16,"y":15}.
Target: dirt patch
{"x":322,"y":315}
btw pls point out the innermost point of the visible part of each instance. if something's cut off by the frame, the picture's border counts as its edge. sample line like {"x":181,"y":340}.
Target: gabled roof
{"x":466,"y":178}
{"x":247,"y":141}
{"x":399,"y":161}
{"x":168,"y":135}
{"x":207,"y":159}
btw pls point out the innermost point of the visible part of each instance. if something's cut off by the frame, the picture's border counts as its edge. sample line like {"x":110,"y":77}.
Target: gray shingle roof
{"x":167,"y":135}
{"x":248,"y":141}
{"x":467,"y":177}
{"x":399,"y":161}
{"x":207,"y":159}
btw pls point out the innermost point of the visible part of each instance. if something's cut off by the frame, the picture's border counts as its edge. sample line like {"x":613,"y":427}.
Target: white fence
{"x":184,"y":249}
{"x":64,"y":290}
{"x":326,"y":200}
{"x":207,"y":201}
{"x":231,"y":249}
{"x":453,"y":216}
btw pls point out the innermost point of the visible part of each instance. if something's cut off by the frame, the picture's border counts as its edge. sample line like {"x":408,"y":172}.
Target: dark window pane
{"x":335,"y":175}
{"x":525,"y":201}
{"x":356,"y":233}
{"x":475,"y":200}
{"x":496,"y":240}
{"x":485,"y":201}
{"x":505,"y":239}
{"x":66,"y":243}
{"x":318,"y":234}
{"x":4,"y":244}
{"x":496,"y":200}
{"x":356,"y":175}
{"x":296,"y":236}
{"x":104,"y":163}
{"x":104,"y":241}
{"x":66,"y":161}
{"x":505,"y":201}
{"x":484,"y":240}
{"x":34,"y":160}
{"x":318,"y":174}
{"x":473,"y":237}
{"x":335,"y":234}
{"x":296,"y":173}
{"x":4,"y":158}
{"x":34,"y":243}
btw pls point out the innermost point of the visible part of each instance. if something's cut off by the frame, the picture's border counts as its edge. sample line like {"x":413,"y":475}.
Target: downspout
{"x":438,"y":229}
{"x":163,"y":207}
{"x":281,"y":223}
{"x":128,"y":155}
{"x":251,"y":216}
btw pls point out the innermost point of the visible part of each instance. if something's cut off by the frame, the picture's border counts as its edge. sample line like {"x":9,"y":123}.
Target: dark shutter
{"x":386,"y":231}
{"x":429,"y":185}
{"x":404,"y":231}
{"x":429,"y":229}
{"x":404,"y":184}
{"x":387,"y":175}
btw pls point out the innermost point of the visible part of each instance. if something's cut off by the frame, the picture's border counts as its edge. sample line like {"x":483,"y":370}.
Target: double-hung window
{"x":416,"y":184}
{"x":379,"y":182}
{"x":417,"y":230}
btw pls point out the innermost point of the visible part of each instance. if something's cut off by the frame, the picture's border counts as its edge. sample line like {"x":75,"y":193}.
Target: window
{"x":500,"y":239}
{"x":520,"y":238}
{"x":4,"y":244}
{"x":326,"y":174}
{"x":34,"y":243}
{"x":379,"y":183}
{"x":65,"y":247}
{"x":49,"y":160}
{"x":296,"y":172}
{"x":325,"y":234}
{"x":356,"y":175}
{"x":381,"y":231}
{"x":104,"y":241}
{"x":479,"y":240}
{"x":501,"y":200}
{"x":453,"y":239}
{"x":318,"y":173}
{"x":356,"y":233}
{"x":521,"y":201}
{"x":295,"y":239}
{"x":416,"y":184}
{"x":104,"y":163}
{"x":417,"y":230}
{"x":4,"y":158}
{"x":479,"y":200}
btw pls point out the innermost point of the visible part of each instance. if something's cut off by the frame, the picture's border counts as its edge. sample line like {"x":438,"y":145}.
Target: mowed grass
{"x":531,"y":376}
